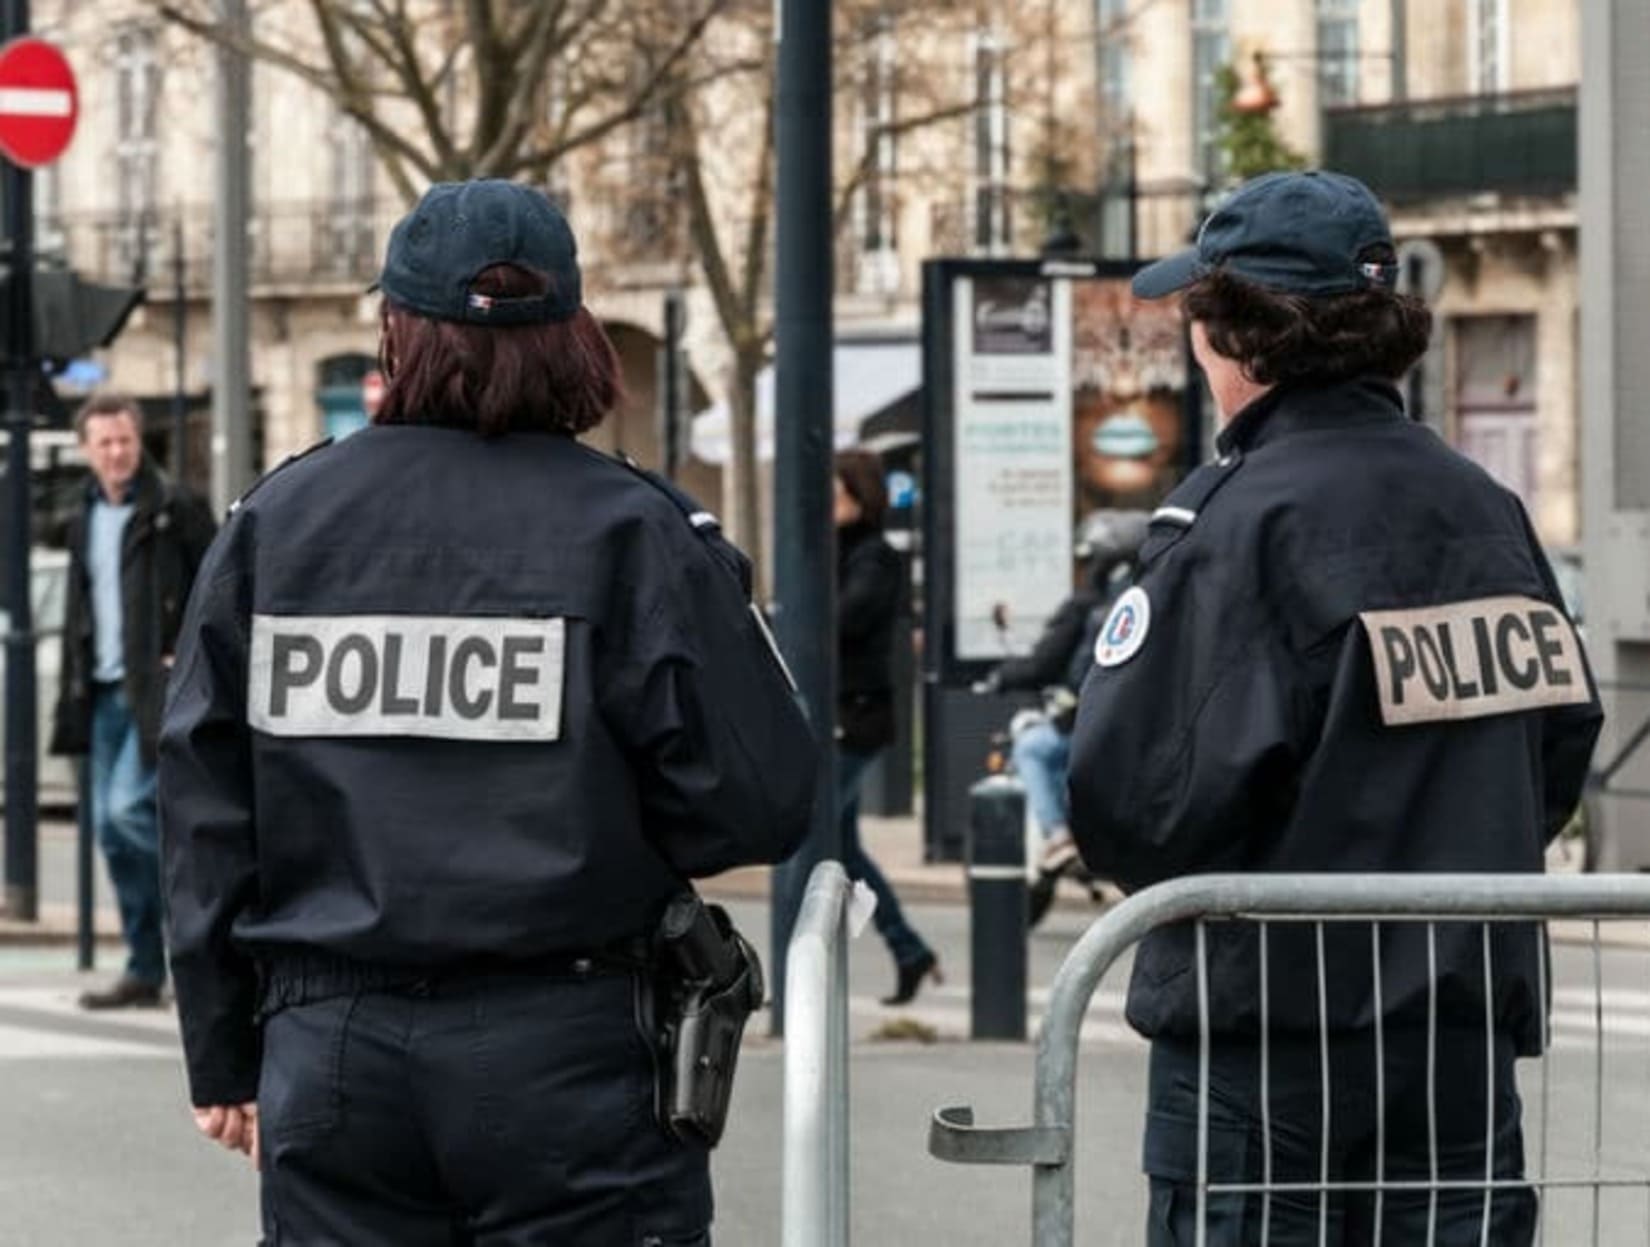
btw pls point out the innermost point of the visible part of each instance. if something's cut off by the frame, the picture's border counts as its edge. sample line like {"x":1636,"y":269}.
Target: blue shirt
{"x":103,"y":542}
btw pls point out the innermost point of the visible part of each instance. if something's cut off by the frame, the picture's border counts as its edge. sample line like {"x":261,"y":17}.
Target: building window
{"x":991,"y":199}
{"x":650,"y":178}
{"x":1487,"y":46}
{"x":1115,"y":88}
{"x":350,"y":196}
{"x":1495,"y":398}
{"x":1117,"y":129}
{"x":876,"y":116}
{"x":137,"y":92}
{"x":1338,"y":52}
{"x":1211,"y":52}
{"x":49,"y":238}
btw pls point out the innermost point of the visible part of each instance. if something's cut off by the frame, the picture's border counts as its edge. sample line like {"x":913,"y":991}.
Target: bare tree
{"x":452,"y":89}
{"x":724,"y":153}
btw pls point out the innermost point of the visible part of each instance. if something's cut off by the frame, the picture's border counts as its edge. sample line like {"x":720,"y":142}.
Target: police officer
{"x":1346,"y":652}
{"x":460,"y":705}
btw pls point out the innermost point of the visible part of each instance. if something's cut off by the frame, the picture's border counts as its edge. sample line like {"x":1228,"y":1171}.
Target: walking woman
{"x":868,"y":598}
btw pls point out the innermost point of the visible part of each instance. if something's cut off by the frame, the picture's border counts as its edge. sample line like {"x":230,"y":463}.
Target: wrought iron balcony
{"x":1523,"y":143}
{"x":305,"y":246}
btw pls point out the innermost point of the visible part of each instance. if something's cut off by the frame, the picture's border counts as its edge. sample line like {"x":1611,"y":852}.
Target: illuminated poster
{"x":1128,"y":373}
{"x":1014,"y":467}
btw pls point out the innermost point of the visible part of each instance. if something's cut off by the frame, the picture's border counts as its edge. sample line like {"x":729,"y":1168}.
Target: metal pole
{"x":180,"y":348}
{"x":22,"y":847}
{"x":997,"y":908}
{"x":670,"y":386}
{"x":231,"y":440}
{"x":1400,"y":49}
{"x":814,"y":1181}
{"x":804,"y":549}
{"x":1615,"y":376}
{"x":85,"y":893}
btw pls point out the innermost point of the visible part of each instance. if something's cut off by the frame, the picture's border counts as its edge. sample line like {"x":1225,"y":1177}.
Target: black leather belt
{"x":293,"y":978}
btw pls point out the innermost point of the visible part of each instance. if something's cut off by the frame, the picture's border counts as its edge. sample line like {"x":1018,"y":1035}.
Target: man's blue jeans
{"x":1042,"y":760}
{"x":124,"y":820}
{"x":900,"y":936}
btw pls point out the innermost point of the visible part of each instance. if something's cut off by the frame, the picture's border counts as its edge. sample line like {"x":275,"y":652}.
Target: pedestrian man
{"x":461,"y":704}
{"x":1346,"y":652}
{"x":134,"y":547}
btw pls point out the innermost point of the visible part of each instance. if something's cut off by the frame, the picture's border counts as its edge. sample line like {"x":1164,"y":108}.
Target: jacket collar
{"x":1302,"y":408}
{"x":144,"y":493}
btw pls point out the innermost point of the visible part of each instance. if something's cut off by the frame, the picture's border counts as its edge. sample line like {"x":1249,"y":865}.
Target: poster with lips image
{"x":1068,"y":400}
{"x":1128,"y":373}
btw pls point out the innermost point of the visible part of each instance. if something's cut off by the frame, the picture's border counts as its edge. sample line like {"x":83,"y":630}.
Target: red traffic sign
{"x":39,"y":104}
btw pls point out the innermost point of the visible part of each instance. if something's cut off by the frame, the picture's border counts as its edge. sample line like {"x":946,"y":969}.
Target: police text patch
{"x":1469,"y":660}
{"x":453,"y":677}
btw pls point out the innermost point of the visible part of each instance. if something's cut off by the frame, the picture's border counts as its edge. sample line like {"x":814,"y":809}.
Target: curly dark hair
{"x":1282,"y":339}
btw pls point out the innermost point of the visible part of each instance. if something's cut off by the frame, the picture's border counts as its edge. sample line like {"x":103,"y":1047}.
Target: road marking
{"x":45,"y":1022}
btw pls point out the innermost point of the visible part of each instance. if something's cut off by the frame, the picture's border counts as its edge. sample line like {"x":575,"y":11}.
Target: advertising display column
{"x":1049,"y":393}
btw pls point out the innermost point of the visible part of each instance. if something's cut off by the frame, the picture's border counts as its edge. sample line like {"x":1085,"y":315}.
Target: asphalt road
{"x":96,"y":1146}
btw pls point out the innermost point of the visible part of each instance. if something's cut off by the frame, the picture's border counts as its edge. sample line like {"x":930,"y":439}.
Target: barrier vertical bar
{"x":1489,"y":1088}
{"x":1543,"y":994}
{"x":1432,"y":1082}
{"x":814,"y":1192}
{"x":1265,"y":1084}
{"x":1323,"y":1075}
{"x":1380,"y":1085}
{"x":1202,"y":1083}
{"x":1598,"y":1076}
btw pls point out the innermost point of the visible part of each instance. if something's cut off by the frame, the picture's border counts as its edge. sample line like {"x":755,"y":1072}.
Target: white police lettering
{"x":1468,"y":660}
{"x":1125,"y":629}
{"x":448,"y":676}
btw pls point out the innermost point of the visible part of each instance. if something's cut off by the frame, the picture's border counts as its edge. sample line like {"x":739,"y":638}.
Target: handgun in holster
{"x":710,"y":982}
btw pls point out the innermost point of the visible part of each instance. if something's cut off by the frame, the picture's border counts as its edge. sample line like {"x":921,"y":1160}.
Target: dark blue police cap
{"x":1296,"y":233}
{"x":460,"y":229}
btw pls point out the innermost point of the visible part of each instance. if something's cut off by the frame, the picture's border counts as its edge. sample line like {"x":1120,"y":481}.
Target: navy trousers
{"x":500,"y":1111}
{"x":1295,"y":1103}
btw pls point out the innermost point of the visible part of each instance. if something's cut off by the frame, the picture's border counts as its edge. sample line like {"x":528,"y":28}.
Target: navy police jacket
{"x":443,"y":700}
{"x":1345,"y":652}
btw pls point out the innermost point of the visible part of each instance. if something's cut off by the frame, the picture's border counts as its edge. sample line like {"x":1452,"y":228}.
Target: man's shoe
{"x":1058,"y":853}
{"x":125,"y":992}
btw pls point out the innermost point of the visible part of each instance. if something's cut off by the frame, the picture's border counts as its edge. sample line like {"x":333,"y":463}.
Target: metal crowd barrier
{"x":815,"y":1191}
{"x":1047,"y":1144}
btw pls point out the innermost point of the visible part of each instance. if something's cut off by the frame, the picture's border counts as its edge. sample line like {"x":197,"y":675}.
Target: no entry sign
{"x":38,"y":102}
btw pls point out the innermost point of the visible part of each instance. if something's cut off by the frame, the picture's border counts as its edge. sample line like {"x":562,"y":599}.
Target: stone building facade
{"x":965,"y":129}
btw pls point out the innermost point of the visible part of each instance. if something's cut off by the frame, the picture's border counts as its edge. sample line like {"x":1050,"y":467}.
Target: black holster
{"x":710,"y":982}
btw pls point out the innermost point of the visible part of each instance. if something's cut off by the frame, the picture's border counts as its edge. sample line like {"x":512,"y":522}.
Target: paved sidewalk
{"x":895,"y":843}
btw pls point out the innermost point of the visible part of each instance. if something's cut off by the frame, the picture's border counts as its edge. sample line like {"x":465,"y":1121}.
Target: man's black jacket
{"x":443,"y":701}
{"x":1050,"y":660}
{"x":1239,"y":720}
{"x":164,"y":542}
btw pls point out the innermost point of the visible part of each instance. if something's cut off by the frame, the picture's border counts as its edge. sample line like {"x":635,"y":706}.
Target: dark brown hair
{"x":107,"y":403}
{"x":557,"y":378}
{"x":860,"y":472}
{"x":1286,"y":339}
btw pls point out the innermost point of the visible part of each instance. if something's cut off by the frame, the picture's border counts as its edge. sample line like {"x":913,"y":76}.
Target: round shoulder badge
{"x":1125,"y":630}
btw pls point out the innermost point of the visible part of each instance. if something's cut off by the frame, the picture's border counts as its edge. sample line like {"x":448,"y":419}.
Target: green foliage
{"x":1249,"y":141}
